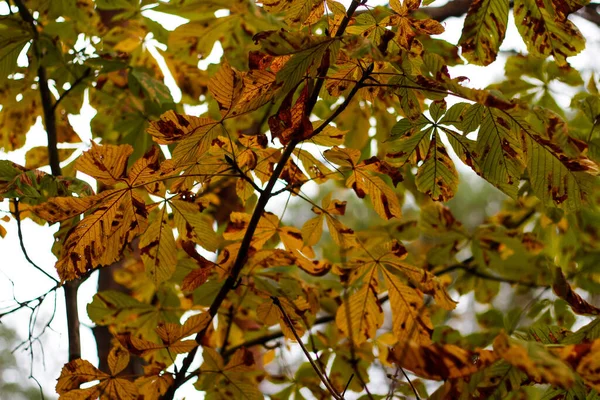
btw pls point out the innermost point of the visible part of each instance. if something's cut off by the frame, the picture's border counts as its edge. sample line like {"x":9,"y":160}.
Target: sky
{"x":19,"y":279}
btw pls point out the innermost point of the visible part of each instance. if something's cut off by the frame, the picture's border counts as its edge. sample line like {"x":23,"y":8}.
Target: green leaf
{"x":13,"y":37}
{"x":437,"y":177}
{"x":156,"y":90}
{"x":410,"y":142}
{"x":558,"y":180}
{"x":544,"y":31}
{"x":500,"y":152}
{"x":484,"y":30}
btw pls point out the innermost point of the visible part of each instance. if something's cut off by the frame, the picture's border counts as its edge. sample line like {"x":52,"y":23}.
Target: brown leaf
{"x":440,"y":362}
{"x":563,"y":290}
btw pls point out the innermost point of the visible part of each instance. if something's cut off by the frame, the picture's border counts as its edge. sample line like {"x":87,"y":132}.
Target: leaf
{"x":233,"y":379}
{"x":361,"y":315}
{"x":535,"y":360}
{"x":193,"y":135}
{"x":79,"y":371}
{"x":557,"y":179}
{"x":307,"y":54}
{"x":410,"y":142}
{"x":194,"y":225}
{"x":156,"y":90}
{"x":118,"y":359}
{"x":296,"y":11}
{"x":13,"y":37}
{"x":225,"y":86}
{"x":584,"y":358}
{"x":437,"y":176}
{"x":158,"y":249}
{"x":105,"y":163}
{"x":484,"y":30}
{"x":546,"y":32}
{"x":37,"y":157}
{"x":500,"y":154}
{"x":363,"y":182}
{"x":439,"y":362}
{"x":563,"y":290}
{"x":195,"y":40}
{"x":410,"y":319}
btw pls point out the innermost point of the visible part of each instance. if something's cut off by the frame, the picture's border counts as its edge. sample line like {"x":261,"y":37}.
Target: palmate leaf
{"x":116,"y":215}
{"x":364,"y":182}
{"x":410,"y":318}
{"x":484,"y":30}
{"x":546,"y":32}
{"x":109,"y":387}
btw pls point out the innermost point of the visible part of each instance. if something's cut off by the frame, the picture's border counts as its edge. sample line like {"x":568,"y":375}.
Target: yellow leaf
{"x":194,"y":225}
{"x":410,"y":318}
{"x":107,"y":163}
{"x":118,"y":359}
{"x":193,"y":135}
{"x":360,"y":315}
{"x":225,"y":86}
{"x":153,"y":387}
{"x":268,"y":313}
{"x":158,"y":249}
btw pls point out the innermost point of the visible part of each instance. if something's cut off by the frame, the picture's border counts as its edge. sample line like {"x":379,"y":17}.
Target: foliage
{"x":356,"y":104}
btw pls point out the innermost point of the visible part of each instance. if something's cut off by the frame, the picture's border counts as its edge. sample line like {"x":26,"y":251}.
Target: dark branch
{"x":232,"y":280}
{"x":51,"y":132}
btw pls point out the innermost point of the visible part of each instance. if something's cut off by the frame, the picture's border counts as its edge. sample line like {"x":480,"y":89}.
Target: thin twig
{"x":77,"y":81}
{"x":17,"y":215}
{"x":347,"y":384}
{"x":410,"y":383}
{"x":242,"y":174}
{"x":320,"y":373}
{"x":228,"y":329}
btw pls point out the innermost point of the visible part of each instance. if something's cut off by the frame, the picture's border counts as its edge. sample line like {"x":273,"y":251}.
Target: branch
{"x":232,"y":279}
{"x":51,"y":132}
{"x":17,"y":215}
{"x":320,"y":373}
{"x":454,"y":8}
{"x":79,"y":80}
